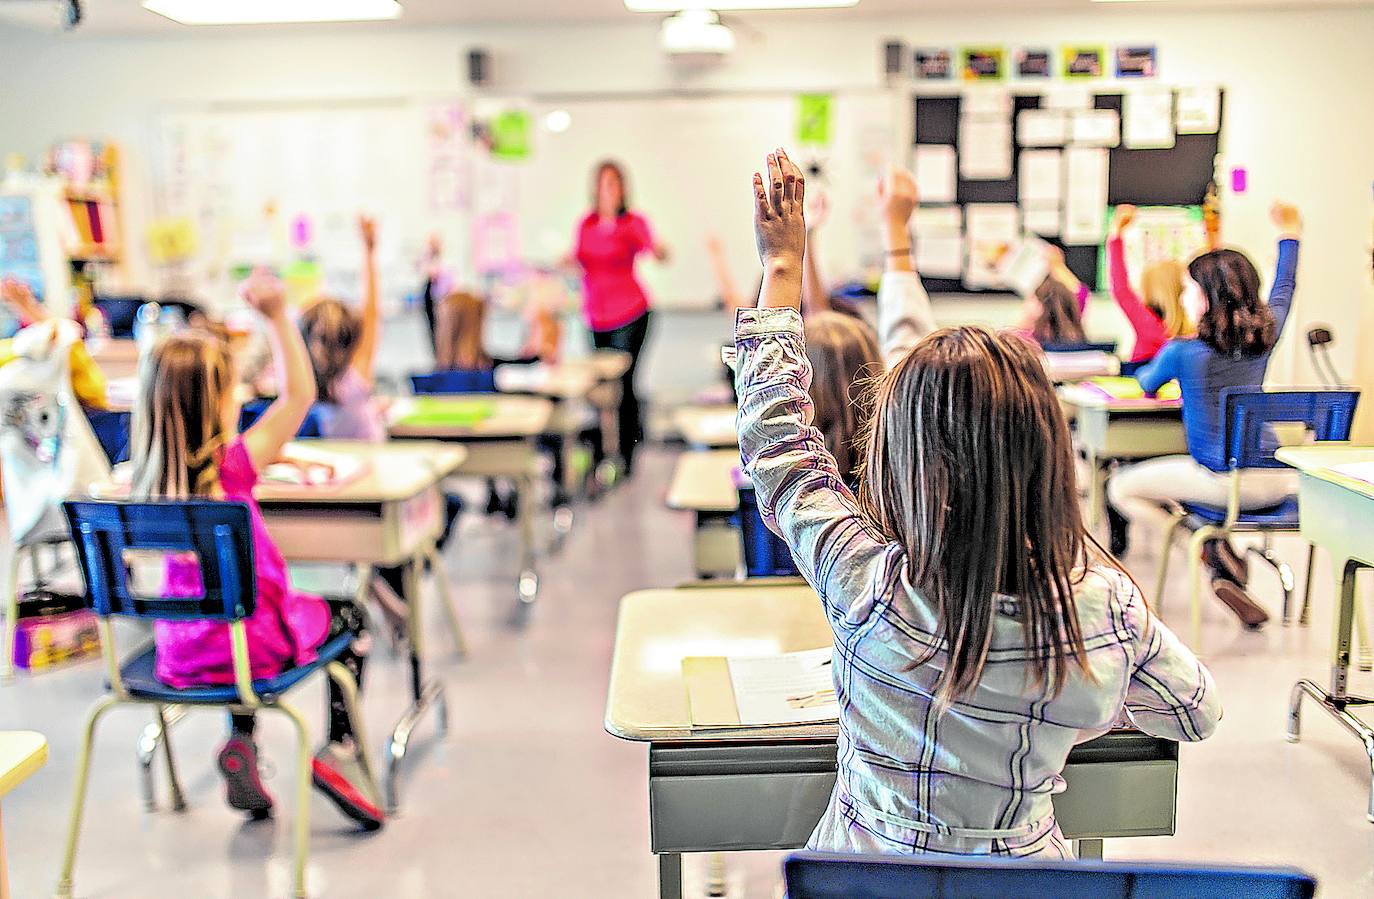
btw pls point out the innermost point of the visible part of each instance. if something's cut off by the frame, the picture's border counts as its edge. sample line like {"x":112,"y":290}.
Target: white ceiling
{"x":128,"y":17}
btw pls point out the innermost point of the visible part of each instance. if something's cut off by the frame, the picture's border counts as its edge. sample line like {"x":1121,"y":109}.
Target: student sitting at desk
{"x":1052,"y":314}
{"x":1159,"y":316}
{"x":979,"y":631}
{"x":1236,"y":333}
{"x":185,"y":445}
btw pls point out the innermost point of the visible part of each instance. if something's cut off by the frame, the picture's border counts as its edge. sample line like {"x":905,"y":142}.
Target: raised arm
{"x":904,"y":313}
{"x":1171,"y":693}
{"x":725,"y":279}
{"x":1061,"y":272}
{"x":296,"y":391}
{"x":1147,"y":326}
{"x":365,"y":355}
{"x":815,"y":295}
{"x":1289,"y":222}
{"x":801,"y":494}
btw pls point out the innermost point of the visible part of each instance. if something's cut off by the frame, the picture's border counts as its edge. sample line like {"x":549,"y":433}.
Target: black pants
{"x":629,"y":339}
{"x":430,"y":315}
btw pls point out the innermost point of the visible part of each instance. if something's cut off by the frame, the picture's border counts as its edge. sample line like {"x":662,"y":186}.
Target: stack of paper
{"x":761,"y":691}
{"x":308,"y":466}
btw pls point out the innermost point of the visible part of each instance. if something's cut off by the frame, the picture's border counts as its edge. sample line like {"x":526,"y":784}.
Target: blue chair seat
{"x":1282,"y":517}
{"x":140,"y":679}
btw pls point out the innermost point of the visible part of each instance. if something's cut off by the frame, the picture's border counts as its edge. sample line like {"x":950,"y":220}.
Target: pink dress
{"x":284,"y":630}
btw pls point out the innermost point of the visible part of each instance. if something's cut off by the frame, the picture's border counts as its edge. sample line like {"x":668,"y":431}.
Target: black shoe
{"x":1225,"y":562}
{"x":1238,"y":601}
{"x":1119,"y":530}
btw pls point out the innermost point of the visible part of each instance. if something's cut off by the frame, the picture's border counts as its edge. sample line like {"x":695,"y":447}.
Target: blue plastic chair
{"x":112,"y":432}
{"x":312,"y":427}
{"x":812,"y":875}
{"x":1079,"y":347}
{"x":119,"y":544}
{"x":461,"y":380}
{"x":1249,"y":415}
{"x":765,"y":553}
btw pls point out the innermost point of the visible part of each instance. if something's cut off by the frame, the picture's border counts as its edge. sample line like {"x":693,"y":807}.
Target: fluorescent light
{"x":729,"y":5}
{"x":558,"y":120}
{"x":271,"y":12}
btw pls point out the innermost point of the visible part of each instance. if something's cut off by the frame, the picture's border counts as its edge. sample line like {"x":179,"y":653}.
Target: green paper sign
{"x":510,"y":135}
{"x":813,"y":119}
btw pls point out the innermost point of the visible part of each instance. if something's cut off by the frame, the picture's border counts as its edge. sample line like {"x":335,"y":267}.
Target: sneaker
{"x":338,"y":774}
{"x":243,"y":789}
{"x":1223,"y":559}
{"x":1237,"y":600}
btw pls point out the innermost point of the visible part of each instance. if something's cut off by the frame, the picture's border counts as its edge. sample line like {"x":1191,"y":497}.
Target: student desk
{"x":117,"y":356}
{"x":499,"y":445}
{"x":1112,"y":430}
{"x":703,"y":483}
{"x":765,"y":788}
{"x":1337,"y":513}
{"x":707,"y":427}
{"x":22,"y":752}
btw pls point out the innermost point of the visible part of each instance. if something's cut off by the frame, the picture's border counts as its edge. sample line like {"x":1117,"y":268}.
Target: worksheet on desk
{"x":1360,"y":471}
{"x":791,"y":688}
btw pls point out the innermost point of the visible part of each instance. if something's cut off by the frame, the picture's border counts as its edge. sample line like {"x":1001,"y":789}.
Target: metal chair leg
{"x":148,"y":741}
{"x":445,"y":591}
{"x":1165,"y":549}
{"x":173,"y":782}
{"x":83,"y":773}
{"x":1305,"y":616}
{"x":1201,"y":536}
{"x":1282,"y":569}
{"x":11,"y":632}
{"x":303,"y":783}
{"x":349,"y":687}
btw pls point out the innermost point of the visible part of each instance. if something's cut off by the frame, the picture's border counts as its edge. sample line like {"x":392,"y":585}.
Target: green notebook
{"x":447,"y":412}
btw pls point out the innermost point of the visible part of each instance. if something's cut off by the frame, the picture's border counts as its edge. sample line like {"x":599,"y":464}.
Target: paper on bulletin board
{"x":1025,"y":266}
{"x":1068,"y":96}
{"x":1085,"y":201}
{"x":985,"y":102}
{"x":1095,"y":128}
{"x":939,"y":241}
{"x":1147,"y":119}
{"x":1199,"y":109}
{"x":934,"y":168}
{"x":985,"y":149}
{"x":937,"y":219}
{"x":171,"y":240}
{"x":1042,"y":219}
{"x":1041,"y":177}
{"x":813,"y":119}
{"x":510,"y":135}
{"x":993,"y":230}
{"x":1042,"y":128}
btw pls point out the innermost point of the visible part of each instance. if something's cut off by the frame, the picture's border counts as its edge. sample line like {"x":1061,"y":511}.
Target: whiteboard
{"x":690,"y":160}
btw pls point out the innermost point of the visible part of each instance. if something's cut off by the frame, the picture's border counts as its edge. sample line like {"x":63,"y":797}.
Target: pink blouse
{"x":612,"y":296}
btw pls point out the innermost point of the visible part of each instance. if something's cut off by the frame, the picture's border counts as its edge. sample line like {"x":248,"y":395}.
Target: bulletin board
{"x":1175,"y":176}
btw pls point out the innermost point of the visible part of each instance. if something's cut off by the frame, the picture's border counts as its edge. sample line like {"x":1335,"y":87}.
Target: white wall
{"x":1298,"y":108}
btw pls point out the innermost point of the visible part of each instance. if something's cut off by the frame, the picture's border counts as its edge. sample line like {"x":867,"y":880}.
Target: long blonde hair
{"x":331,"y":332}
{"x":177,"y":433}
{"x":1162,"y":286}
{"x":969,"y":467}
{"x":844,"y":354}
{"x":459,"y":326}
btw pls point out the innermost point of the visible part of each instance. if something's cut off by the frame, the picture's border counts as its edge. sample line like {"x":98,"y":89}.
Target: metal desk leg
{"x":445,"y":591}
{"x":528,"y":584}
{"x":1088,"y":849}
{"x":1097,"y":487}
{"x":1338,"y":701}
{"x":669,"y":875}
{"x":427,"y":693}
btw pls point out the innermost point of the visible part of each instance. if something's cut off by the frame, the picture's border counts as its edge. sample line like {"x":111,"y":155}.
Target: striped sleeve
{"x":1171,"y":693}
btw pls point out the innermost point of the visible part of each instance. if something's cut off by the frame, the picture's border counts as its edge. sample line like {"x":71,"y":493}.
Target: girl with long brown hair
{"x":979,"y":631}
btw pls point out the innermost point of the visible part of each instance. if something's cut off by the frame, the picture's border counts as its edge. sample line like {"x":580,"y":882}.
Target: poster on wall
{"x":933,"y":64}
{"x":1147,"y":119}
{"x":993,"y":229}
{"x":19,"y":243}
{"x":447,"y":134}
{"x":1034,"y":63}
{"x":1136,"y":61}
{"x":813,"y":119}
{"x":1083,"y":62}
{"x":1198,"y":110}
{"x":983,"y":63}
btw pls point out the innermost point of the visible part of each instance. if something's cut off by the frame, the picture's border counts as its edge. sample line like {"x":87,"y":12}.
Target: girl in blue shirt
{"x":1236,"y":334}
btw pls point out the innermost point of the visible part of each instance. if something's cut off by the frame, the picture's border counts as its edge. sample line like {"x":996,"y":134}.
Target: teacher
{"x":609,"y":240}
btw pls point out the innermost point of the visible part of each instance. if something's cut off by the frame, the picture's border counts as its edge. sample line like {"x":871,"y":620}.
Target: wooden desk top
{"x":512,"y":417}
{"x":1317,"y":462}
{"x":22,"y":752}
{"x":657,"y":629}
{"x":703,"y":481}
{"x":395,"y":471}
{"x":709,"y":426}
{"x":568,"y":381}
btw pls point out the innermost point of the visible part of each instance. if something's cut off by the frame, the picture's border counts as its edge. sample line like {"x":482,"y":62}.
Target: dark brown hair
{"x":1059,"y":320}
{"x":970,"y":469}
{"x":844,"y":353}
{"x":610,"y":165}
{"x":1237,"y":322}
{"x":331,"y":332}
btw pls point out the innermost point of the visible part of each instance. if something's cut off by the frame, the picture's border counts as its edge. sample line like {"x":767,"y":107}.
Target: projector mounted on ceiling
{"x":696,"y":35}
{"x":44,"y":14}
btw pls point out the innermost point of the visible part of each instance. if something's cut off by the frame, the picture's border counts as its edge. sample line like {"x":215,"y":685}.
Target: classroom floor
{"x":530,"y":797}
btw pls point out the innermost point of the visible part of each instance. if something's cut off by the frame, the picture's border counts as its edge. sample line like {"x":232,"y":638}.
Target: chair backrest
{"x":111,"y":428}
{"x":1250,"y":415}
{"x":1079,"y":347}
{"x":190,"y":559}
{"x":458,"y":380}
{"x":311,"y":428}
{"x":765,"y":553}
{"x":817,"y":876}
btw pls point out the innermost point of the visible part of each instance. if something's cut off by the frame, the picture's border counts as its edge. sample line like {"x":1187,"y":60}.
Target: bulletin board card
{"x":1172,"y":176}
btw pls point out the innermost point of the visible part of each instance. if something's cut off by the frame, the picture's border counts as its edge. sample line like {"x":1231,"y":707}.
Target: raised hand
{"x":367,"y":229}
{"x":779,"y":223}
{"x":17,"y":295}
{"x":265,"y":293}
{"x":1122,"y":218}
{"x":1287,"y":219}
{"x":898,"y":195}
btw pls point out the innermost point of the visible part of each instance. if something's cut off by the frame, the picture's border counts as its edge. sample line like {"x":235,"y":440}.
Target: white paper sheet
{"x":985,"y":102}
{"x":1068,"y":96}
{"x":985,"y":149}
{"x":1095,"y":128}
{"x":1085,"y":195}
{"x":934,"y":168}
{"x":1043,"y":220}
{"x":1147,"y":119}
{"x":1025,"y":267}
{"x":792,"y":688}
{"x":937,"y":220}
{"x":1042,"y":128}
{"x":1360,"y":471}
{"x":1199,"y":109}
{"x":994,"y":230}
{"x":940,"y":254}
{"x":1040,"y":178}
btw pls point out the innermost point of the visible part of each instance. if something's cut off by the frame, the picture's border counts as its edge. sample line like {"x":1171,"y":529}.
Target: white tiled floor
{"x":529,"y":797}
